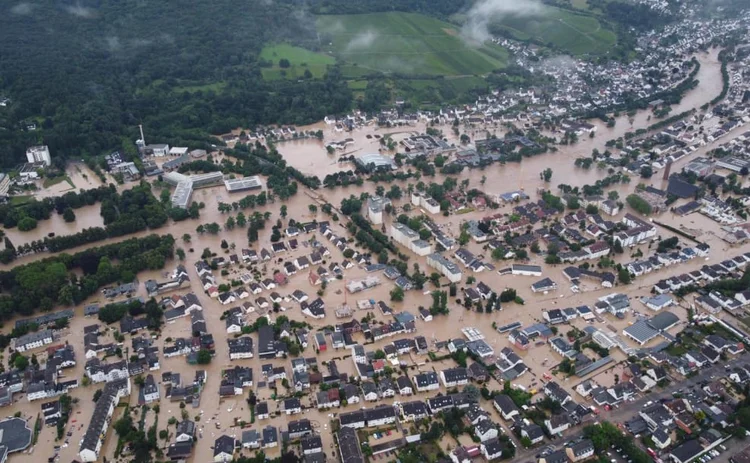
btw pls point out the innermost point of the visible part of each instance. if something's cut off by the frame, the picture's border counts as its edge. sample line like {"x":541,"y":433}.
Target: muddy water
{"x":538,"y":358}
{"x":310,"y":155}
{"x":217,"y":418}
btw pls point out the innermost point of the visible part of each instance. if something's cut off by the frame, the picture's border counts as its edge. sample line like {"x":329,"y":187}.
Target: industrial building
{"x":185,"y":184}
{"x":243,"y":184}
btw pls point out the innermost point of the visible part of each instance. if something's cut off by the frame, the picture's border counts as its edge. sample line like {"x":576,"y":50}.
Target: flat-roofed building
{"x":447,"y":268}
{"x":243,"y":184}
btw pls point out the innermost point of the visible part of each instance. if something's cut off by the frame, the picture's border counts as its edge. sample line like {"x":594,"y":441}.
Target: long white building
{"x":447,"y":268}
{"x":409,"y":239}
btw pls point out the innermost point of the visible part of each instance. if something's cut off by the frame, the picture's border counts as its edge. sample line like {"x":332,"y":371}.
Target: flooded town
{"x":535,"y":277}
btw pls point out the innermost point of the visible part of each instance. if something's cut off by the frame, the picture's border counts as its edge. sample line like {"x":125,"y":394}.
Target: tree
{"x":284,"y":63}
{"x":639,"y":204}
{"x":646,"y":172}
{"x":186,"y":237}
{"x":26,"y":224}
{"x":546,"y":175}
{"x":180,"y":253}
{"x":397,"y":294}
{"x":69,"y":215}
{"x":224,"y":244}
{"x":204,"y":357}
{"x":312,"y":208}
{"x":283,"y":211}
{"x":624,"y":276}
{"x":21,"y":362}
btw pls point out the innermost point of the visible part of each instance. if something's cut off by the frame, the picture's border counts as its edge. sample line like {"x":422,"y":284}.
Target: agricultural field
{"x":299,"y":59}
{"x":405,"y":43}
{"x":557,"y":28}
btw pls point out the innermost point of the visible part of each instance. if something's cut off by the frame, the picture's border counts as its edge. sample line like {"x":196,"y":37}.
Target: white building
{"x":420,"y":199}
{"x":375,"y":207}
{"x":39,"y":154}
{"x":99,"y":423}
{"x":447,"y":268}
{"x":33,"y":340}
{"x":408,"y":238}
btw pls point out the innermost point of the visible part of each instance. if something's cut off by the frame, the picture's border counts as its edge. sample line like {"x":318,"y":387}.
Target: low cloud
{"x":476,"y":28}
{"x":562,"y":63}
{"x":362,"y":41}
{"x":112,"y":43}
{"x":80,"y":10}
{"x":398,"y":65}
{"x":23,"y":9}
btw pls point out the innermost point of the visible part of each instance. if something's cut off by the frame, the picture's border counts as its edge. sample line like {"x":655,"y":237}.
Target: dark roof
{"x":680,"y":188}
{"x":352,"y":417}
{"x":380,"y":412}
{"x":15,"y":435}
{"x":349,"y":446}
{"x":311,"y":443}
{"x":455,"y":374}
{"x":270,"y":434}
{"x":687,"y":450}
{"x":180,"y":450}
{"x":416,"y":407}
{"x":299,"y":426}
{"x":266,"y":340}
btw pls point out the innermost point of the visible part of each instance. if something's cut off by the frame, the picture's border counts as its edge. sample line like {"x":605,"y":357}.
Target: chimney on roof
{"x":667,"y":170}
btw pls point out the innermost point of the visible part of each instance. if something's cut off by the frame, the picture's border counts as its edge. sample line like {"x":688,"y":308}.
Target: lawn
{"x":428,"y":92}
{"x":299,"y":59}
{"x":19,"y":200}
{"x":405,"y":43}
{"x":573,"y":33}
{"x":48,"y":182}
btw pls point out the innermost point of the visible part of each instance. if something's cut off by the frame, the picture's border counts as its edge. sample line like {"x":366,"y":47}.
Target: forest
{"x":81,"y":75}
{"x":87,"y":73}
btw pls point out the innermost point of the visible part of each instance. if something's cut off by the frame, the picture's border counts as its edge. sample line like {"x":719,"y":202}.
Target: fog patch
{"x":80,"y":11}
{"x":112,"y":43}
{"x":561,"y":63}
{"x":22,"y":9}
{"x":476,"y":28}
{"x":362,"y":41}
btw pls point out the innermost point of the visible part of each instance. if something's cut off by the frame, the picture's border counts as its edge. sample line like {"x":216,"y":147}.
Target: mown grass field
{"x":300,"y":59}
{"x":405,"y":43}
{"x":573,"y":33}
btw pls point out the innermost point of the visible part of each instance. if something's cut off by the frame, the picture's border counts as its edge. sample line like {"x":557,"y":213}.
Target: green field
{"x":405,"y":43}
{"x":557,"y":28}
{"x":299,"y":59}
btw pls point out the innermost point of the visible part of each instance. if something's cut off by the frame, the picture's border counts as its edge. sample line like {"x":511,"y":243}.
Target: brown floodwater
{"x":310,"y":157}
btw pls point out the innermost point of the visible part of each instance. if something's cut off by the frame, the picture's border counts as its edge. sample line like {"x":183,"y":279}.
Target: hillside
{"x":405,"y":43}
{"x":88,"y":73}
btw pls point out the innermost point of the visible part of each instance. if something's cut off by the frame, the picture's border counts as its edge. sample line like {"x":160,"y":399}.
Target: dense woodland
{"x":87,"y":73}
